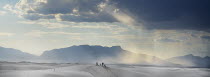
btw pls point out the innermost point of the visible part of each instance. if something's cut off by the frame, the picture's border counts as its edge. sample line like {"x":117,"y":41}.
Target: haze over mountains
{"x":191,"y":60}
{"x":91,"y":54}
{"x":87,"y":53}
{"x":82,"y":53}
{"x":9,"y":54}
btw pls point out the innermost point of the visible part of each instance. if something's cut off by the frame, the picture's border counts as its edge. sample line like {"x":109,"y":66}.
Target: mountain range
{"x":191,"y":61}
{"x":82,"y":53}
{"x":91,"y":54}
{"x":87,"y":53}
{"x":10,"y":54}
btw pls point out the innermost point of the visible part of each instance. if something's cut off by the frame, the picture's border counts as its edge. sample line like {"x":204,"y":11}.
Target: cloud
{"x":2,"y":13}
{"x":54,"y":25}
{"x":11,"y":9}
{"x":6,"y":34}
{"x":65,"y":10}
{"x":168,"y":40}
{"x":38,"y":33}
{"x":50,"y":25}
{"x":164,"y":14}
{"x":205,"y":37}
{"x":71,"y":10}
{"x":113,"y":28}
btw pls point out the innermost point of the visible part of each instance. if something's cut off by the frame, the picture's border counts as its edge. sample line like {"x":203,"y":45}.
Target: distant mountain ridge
{"x":94,"y":53}
{"x":10,"y":54}
{"x":191,"y":60}
{"x":82,"y":53}
{"x":87,"y":53}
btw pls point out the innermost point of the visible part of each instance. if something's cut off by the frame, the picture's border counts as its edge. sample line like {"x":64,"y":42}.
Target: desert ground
{"x":26,"y":69}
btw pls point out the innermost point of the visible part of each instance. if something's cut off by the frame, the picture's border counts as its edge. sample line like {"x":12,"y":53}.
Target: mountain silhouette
{"x":191,"y":60}
{"x":9,"y":54}
{"x":87,"y":53}
{"x":82,"y":53}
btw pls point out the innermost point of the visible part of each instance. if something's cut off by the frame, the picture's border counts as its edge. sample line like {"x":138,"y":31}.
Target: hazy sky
{"x":161,"y":28}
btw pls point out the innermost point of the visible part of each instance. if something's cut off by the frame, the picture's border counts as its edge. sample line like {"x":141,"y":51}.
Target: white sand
{"x":85,"y":70}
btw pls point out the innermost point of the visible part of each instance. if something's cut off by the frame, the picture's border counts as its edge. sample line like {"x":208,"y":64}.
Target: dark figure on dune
{"x":102,"y":64}
{"x":96,"y":63}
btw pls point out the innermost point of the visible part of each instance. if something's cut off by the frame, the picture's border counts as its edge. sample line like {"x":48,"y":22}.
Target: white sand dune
{"x":85,"y":70}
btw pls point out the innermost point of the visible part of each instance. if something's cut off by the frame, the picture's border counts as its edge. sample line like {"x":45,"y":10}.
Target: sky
{"x":160,"y":28}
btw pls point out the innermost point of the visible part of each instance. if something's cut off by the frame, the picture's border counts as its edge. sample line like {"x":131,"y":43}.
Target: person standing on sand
{"x":102,"y":64}
{"x":96,"y":63}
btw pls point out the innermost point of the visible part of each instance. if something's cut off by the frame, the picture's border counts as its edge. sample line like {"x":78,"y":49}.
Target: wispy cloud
{"x":55,"y":25}
{"x":38,"y":33}
{"x":2,"y":13}
{"x":114,"y":28}
{"x":50,"y":25}
{"x":6,"y":34}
